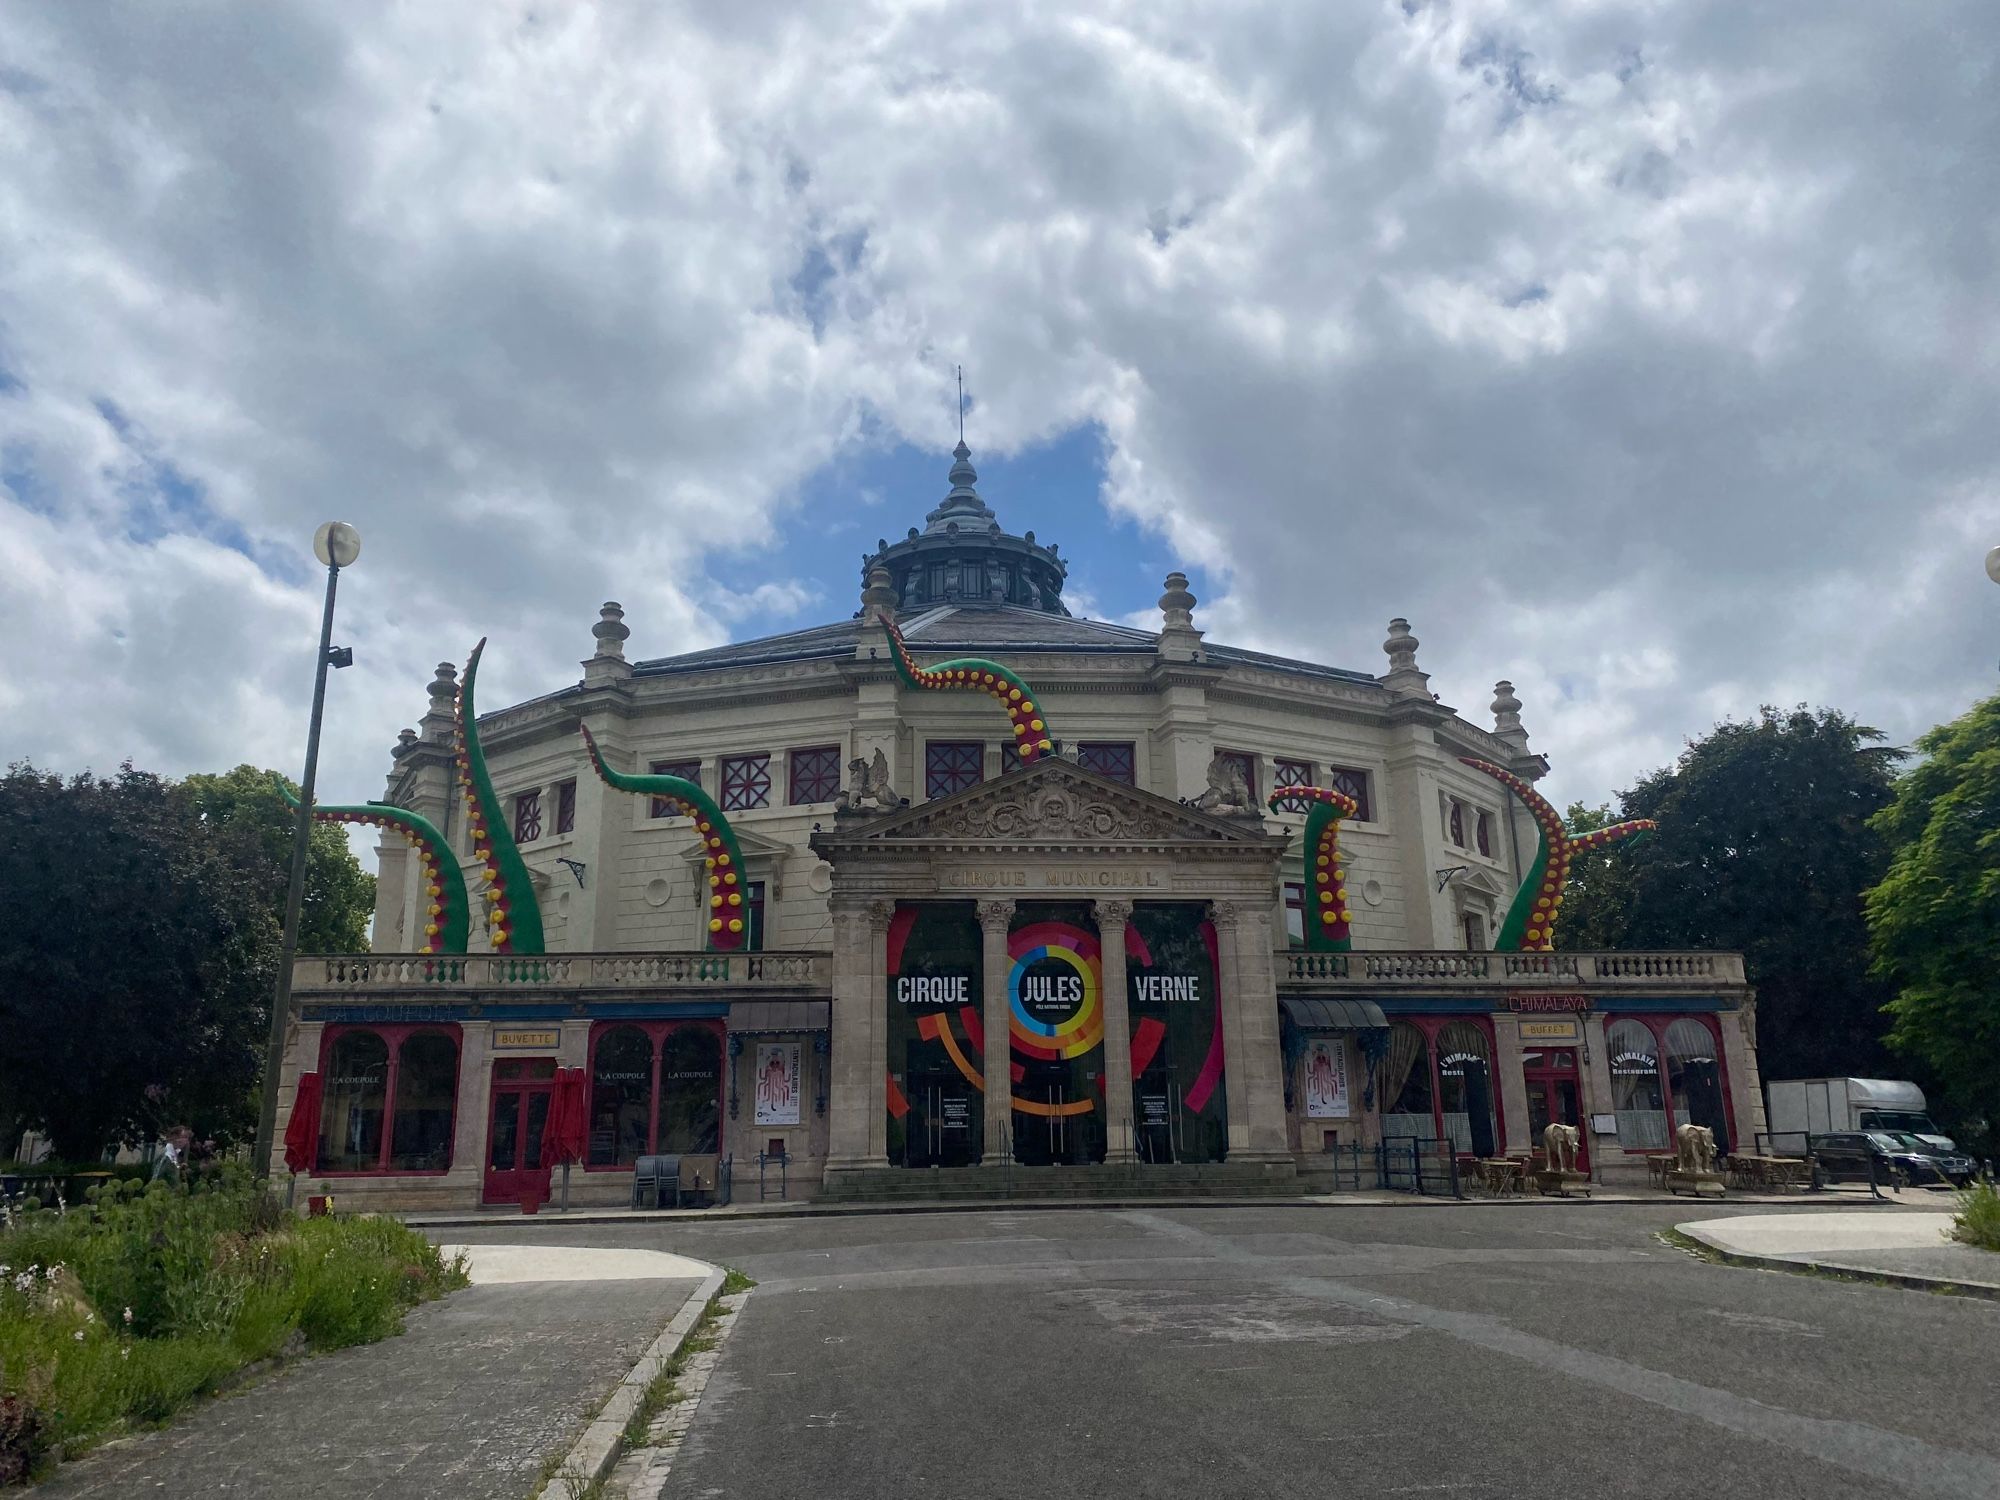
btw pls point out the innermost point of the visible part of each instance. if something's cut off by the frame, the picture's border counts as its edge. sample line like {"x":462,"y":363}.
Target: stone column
{"x":1225,"y":915}
{"x":1513,"y":1088}
{"x":876,"y":963}
{"x":1111,"y":919}
{"x":1746,"y":1082}
{"x":1257,"y":1067}
{"x":994,"y":919}
{"x":850,"y":1098}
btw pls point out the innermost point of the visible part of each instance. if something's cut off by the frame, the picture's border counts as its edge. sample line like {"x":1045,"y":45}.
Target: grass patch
{"x":1977,"y":1221}
{"x":734,"y":1281}
{"x":118,"y":1311}
{"x":662,"y":1391}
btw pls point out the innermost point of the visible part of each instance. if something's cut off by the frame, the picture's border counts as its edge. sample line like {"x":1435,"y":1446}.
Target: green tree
{"x":1935,"y":917}
{"x":244,"y":805}
{"x":136,"y":961}
{"x":1765,"y":847}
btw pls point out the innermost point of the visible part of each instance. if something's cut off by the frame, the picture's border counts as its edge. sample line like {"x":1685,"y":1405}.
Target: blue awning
{"x":1310,"y":1013}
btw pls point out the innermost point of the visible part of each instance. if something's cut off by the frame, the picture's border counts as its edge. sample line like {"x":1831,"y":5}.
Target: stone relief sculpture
{"x":867,"y":785}
{"x":1227,"y":789}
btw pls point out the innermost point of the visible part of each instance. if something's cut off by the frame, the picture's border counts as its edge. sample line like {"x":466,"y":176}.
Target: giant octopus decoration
{"x":513,"y":919}
{"x":1032,"y":737}
{"x":1326,"y":915}
{"x":1530,"y":926}
{"x":728,"y":927}
{"x":447,"y":911}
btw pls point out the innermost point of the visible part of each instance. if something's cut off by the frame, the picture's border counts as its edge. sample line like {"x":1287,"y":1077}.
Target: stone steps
{"x":1072,"y":1184}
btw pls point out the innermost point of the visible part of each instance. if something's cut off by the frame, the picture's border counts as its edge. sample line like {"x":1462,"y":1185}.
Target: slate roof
{"x":1004,"y":630}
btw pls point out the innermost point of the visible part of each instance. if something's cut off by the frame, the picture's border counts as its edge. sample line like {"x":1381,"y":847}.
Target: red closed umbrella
{"x":302,"y":1130}
{"x":567,"y":1131}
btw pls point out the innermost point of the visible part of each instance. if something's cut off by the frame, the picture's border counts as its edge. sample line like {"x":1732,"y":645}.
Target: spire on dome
{"x":962,"y":507}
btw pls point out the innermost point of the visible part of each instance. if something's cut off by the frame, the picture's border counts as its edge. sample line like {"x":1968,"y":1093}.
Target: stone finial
{"x":406,"y":741}
{"x":1507,"y":718}
{"x":611,"y":630}
{"x":1179,"y":640}
{"x":607,"y":663}
{"x":879,"y":597}
{"x":439,"y":722}
{"x":1403,"y":678}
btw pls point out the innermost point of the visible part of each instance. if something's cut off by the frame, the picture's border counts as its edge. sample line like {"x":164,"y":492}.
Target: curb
{"x":699,"y":1217}
{"x":594,"y":1454}
{"x":1908,"y":1281}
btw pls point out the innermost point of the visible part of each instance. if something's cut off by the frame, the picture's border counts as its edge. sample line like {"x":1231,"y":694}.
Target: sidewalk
{"x":480,"y":1389}
{"x":1907,"y":1249}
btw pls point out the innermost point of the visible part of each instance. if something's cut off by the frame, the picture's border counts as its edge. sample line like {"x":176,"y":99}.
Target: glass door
{"x":943,"y":1123}
{"x":519,"y":1113}
{"x":1555,"y":1097}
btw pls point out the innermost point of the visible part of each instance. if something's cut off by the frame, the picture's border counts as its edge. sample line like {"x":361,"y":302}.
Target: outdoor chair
{"x":656,"y":1182}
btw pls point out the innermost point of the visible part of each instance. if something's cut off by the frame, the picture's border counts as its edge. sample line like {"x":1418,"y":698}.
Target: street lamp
{"x":336,"y":544}
{"x":1993,"y":565}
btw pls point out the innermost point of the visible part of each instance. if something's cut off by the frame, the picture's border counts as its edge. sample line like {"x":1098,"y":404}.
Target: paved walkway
{"x":1912,"y":1246}
{"x":467,"y":1403}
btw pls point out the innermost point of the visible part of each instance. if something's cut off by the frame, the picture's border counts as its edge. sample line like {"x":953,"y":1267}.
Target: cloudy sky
{"x":1642,"y":353}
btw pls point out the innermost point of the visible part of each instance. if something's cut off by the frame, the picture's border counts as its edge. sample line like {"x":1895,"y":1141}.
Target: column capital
{"x":1224,"y":914}
{"x":1111,"y":911}
{"x":880,"y":914}
{"x":995,"y":915}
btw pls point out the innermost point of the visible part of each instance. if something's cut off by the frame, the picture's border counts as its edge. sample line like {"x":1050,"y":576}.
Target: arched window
{"x":356,"y":1084}
{"x":1465,"y":1088}
{"x":1635,"y":1086}
{"x":621,"y":1097}
{"x":426,"y":1096}
{"x":1695,"y":1076}
{"x":691,"y":1092}
{"x":1406,"y":1084}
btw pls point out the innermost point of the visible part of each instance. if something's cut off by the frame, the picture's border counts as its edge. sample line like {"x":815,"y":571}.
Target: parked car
{"x":1960,"y":1170}
{"x":1884,"y":1157}
{"x":1801,"y":1107}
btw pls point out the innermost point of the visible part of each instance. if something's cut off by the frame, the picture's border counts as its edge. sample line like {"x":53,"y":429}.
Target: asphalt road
{"x":1453,"y":1352}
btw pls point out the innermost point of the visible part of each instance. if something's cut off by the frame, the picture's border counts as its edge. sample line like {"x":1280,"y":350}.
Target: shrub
{"x":1977,"y":1221}
{"x":119,"y":1310}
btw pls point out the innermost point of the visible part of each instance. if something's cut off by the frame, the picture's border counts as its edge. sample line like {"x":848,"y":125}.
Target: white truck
{"x":1802,"y":1107}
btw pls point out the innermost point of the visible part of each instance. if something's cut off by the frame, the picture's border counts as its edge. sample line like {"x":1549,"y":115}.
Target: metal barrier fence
{"x":1418,"y":1164}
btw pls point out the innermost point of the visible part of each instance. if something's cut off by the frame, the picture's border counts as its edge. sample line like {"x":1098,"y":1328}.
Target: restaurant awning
{"x":1310,"y":1013}
{"x":751,"y":1017}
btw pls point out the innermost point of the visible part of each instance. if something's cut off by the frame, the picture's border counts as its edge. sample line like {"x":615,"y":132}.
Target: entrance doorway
{"x":517,"y":1116}
{"x":1555,"y":1097}
{"x":943,"y":1127}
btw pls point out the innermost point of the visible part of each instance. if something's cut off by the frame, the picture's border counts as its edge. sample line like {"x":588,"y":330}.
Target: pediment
{"x":1479,"y":883}
{"x":1055,"y":804}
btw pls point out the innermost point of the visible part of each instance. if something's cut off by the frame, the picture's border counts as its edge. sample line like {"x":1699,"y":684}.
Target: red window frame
{"x":1115,"y":759}
{"x":1431,"y":1026}
{"x":687,"y":770}
{"x":1245,"y":762}
{"x":528,"y":816}
{"x":1291,"y":773}
{"x":393,"y":1035}
{"x":812,"y":775}
{"x":657,"y":1032}
{"x":952,"y":766}
{"x":1355,"y":784}
{"x":566,"y":807}
{"x":1657,"y":1025}
{"x":745,"y":782}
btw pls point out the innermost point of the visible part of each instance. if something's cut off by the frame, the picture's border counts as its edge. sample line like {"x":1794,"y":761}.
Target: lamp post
{"x":1993,"y":565}
{"x":336,"y":544}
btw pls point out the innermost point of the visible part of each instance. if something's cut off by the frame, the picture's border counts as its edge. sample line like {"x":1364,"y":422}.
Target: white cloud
{"x":1642,"y":354}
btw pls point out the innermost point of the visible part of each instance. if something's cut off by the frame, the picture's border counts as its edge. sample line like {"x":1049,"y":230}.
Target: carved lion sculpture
{"x":1228,"y":791}
{"x":1559,"y":1144}
{"x":1694,"y":1149}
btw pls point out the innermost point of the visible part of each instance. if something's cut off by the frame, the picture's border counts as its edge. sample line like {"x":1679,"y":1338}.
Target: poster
{"x":1326,"y":1079}
{"x":779,"y":1083}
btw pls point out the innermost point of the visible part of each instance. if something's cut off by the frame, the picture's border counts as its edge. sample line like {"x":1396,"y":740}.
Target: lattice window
{"x":1293,"y":773}
{"x":566,"y":807}
{"x":1010,"y":758}
{"x":1355,"y":784}
{"x":814,"y":774}
{"x":952,"y":766}
{"x":687,"y":770}
{"x":1113,"y":759}
{"x":1245,"y":762}
{"x":746,"y":782}
{"x":527,"y":817}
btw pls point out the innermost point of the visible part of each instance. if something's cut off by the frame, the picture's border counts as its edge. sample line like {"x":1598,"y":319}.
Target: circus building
{"x":964,"y":896}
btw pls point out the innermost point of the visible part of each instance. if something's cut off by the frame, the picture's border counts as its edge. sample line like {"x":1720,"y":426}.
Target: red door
{"x":1555,"y":1097}
{"x":522,"y":1091}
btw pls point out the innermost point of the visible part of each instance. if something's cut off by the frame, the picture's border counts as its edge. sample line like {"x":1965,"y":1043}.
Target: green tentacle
{"x":447,"y":909}
{"x":1033,"y":738}
{"x":1326,"y":917}
{"x":727,"y":907}
{"x":515,"y":922}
